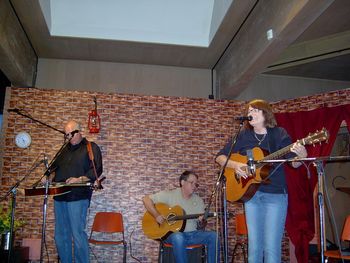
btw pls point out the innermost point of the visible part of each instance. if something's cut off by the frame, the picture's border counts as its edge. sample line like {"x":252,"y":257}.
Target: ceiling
{"x":181,"y":22}
{"x":204,"y":55}
{"x":216,"y":27}
{"x":336,"y":66}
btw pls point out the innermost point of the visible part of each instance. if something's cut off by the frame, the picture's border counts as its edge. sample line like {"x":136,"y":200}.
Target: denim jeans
{"x":70,"y":221}
{"x":180,"y":240}
{"x":265,"y":216}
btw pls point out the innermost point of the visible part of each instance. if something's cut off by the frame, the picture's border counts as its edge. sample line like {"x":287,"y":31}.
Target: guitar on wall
{"x":242,"y":189}
{"x":175,"y":220}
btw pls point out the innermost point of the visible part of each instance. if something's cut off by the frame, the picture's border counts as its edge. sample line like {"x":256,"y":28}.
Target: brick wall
{"x":146,"y":142}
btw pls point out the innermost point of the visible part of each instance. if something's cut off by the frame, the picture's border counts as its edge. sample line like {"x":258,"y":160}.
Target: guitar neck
{"x":193,"y":216}
{"x":283,"y":151}
{"x":279,"y":153}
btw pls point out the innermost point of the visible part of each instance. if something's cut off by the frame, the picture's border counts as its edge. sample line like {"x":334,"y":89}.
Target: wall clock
{"x":23,"y":139}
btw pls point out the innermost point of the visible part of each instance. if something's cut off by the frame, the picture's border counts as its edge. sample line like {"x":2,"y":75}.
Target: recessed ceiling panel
{"x":180,"y":22}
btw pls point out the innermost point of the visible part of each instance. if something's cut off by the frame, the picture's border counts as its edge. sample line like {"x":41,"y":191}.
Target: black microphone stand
{"x":13,"y":191}
{"x":20,"y":112}
{"x":47,"y":174}
{"x":221,"y":180}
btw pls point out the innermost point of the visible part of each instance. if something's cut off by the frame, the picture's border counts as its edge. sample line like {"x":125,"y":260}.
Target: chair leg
{"x":124,"y":253}
{"x":245,"y":252}
{"x":160,"y":254}
{"x":234,"y":253}
{"x":204,"y":254}
{"x":93,"y":254}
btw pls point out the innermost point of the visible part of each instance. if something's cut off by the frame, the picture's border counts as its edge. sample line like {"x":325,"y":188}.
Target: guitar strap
{"x":91,"y":157}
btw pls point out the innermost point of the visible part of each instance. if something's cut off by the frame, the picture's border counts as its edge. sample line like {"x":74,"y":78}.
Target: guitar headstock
{"x":316,"y":137}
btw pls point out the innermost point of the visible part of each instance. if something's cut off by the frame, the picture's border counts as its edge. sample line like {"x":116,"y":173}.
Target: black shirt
{"x":74,"y":162}
{"x":277,"y":138}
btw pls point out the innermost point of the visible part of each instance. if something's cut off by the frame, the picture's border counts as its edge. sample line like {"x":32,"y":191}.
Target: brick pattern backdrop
{"x":146,"y":142}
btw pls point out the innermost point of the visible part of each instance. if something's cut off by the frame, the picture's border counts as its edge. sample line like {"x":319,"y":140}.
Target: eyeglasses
{"x":71,"y":134}
{"x":193,"y":183}
{"x":255,"y":110}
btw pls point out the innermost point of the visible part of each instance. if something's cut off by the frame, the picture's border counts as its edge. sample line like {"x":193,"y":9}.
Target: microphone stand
{"x":221,"y":180}
{"x":47,"y":173}
{"x":13,"y":191}
{"x":20,"y":112}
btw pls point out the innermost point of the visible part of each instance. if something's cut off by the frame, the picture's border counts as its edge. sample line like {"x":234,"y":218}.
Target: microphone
{"x":70,"y":135}
{"x":243,"y":118}
{"x":13,"y":110}
{"x":251,"y":165}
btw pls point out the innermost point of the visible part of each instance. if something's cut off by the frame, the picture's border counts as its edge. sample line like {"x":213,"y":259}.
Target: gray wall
{"x":277,"y":87}
{"x":123,"y":78}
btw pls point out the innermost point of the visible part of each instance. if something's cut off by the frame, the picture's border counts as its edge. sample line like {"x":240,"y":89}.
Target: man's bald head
{"x":72,"y":130}
{"x":72,"y":126}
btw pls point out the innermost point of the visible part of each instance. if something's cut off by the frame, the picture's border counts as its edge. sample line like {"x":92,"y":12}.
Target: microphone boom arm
{"x":19,"y":112}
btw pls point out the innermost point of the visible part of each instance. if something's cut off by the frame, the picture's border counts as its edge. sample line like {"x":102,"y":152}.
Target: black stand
{"x":221,"y":180}
{"x":320,"y":199}
{"x":47,"y":173}
{"x":20,"y":112}
{"x":13,"y":191}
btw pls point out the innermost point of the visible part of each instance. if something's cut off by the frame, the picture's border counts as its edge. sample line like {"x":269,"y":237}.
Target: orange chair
{"x":241,"y":230}
{"x":345,"y":236}
{"x":192,"y":248}
{"x":107,"y":226}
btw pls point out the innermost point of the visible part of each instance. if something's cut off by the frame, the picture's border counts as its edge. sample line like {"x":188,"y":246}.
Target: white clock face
{"x":23,"y":139}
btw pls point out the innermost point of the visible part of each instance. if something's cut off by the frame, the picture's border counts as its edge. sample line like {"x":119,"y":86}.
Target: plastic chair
{"x":241,"y":230}
{"x":193,"y":257}
{"x":345,"y":236}
{"x":104,"y":229}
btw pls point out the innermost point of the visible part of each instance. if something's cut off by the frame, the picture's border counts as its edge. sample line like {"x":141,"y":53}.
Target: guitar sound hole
{"x":170,"y":219}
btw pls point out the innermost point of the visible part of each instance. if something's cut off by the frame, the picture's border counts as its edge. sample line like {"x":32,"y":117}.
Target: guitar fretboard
{"x":316,"y":137}
{"x":185,"y":217}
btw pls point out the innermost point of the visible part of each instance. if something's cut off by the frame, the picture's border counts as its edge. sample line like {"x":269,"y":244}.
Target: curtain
{"x":300,"y":218}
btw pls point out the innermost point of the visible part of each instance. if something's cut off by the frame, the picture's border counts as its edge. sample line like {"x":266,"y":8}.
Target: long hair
{"x":270,"y":120}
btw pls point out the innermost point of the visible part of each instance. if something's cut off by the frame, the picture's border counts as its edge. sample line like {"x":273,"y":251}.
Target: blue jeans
{"x":265,"y":216}
{"x":180,"y":240}
{"x":70,"y":221}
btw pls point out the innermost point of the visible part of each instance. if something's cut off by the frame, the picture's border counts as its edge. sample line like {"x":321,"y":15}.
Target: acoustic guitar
{"x":241,"y":189}
{"x":175,"y":220}
{"x":54,"y":189}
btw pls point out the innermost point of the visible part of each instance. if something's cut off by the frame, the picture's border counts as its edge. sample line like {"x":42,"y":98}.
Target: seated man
{"x":191,"y":203}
